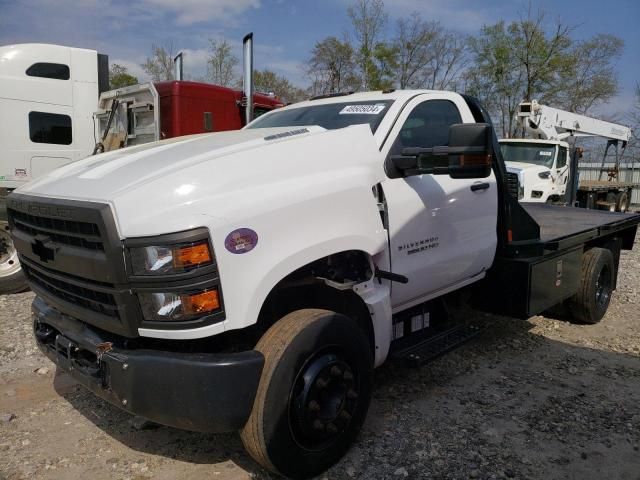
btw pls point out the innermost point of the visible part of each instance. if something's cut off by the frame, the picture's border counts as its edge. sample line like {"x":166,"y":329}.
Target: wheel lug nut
{"x":314,"y":406}
{"x":345,"y":415}
{"x":318,"y":425}
{"x":347,"y":376}
{"x":351,"y":394}
{"x":322,"y":383}
{"x":331,"y":428}
{"x":336,"y":371}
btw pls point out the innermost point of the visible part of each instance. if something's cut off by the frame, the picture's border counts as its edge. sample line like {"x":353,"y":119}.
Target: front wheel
{"x":314,"y":393}
{"x":12,"y":279}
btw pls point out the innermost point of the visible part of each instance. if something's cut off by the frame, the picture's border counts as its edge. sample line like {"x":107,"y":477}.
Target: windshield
{"x":329,"y":116}
{"x":535,"y":153}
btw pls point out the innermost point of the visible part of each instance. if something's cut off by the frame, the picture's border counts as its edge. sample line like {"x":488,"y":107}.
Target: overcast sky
{"x":285,"y":31}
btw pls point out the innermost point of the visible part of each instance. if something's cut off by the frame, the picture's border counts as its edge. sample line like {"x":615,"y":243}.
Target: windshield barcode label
{"x":362,"y":109}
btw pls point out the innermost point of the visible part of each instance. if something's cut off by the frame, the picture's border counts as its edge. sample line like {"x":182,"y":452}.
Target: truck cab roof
{"x":534,"y":140}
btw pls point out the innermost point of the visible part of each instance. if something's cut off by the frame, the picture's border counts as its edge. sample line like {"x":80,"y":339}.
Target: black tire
{"x":622,"y":202}
{"x":12,"y":278}
{"x":611,"y":202}
{"x":592,"y":300}
{"x":292,"y":430}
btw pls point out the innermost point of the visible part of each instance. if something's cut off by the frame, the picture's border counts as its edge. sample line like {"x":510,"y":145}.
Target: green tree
{"x":369,"y":19}
{"x":527,"y":60}
{"x":496,"y":77}
{"x":589,"y":77}
{"x":221,"y":63}
{"x":120,"y":77}
{"x":267,"y":81}
{"x":331,"y":67}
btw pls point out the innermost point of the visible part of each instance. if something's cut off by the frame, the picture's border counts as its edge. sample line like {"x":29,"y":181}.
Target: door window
{"x":562,"y":157}
{"x":427,"y":125}
{"x":50,"y":128}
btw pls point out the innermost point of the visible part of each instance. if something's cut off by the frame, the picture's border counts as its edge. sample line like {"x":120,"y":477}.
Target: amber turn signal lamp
{"x":204,"y":302}
{"x":192,"y":255}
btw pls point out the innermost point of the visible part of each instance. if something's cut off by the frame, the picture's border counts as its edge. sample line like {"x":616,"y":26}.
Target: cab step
{"x":430,"y":348}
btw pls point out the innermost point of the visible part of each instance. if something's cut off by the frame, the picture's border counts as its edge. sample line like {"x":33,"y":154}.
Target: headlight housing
{"x":179,"y":306}
{"x":544,"y":175}
{"x":170,"y":259}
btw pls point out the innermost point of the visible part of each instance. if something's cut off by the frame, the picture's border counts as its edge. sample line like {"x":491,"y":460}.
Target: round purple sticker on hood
{"x":241,"y":240}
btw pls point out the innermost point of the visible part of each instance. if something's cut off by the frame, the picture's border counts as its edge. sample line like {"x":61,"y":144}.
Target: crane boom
{"x":550,"y":123}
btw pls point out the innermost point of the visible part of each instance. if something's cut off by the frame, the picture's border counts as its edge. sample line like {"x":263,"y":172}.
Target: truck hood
{"x":219,"y":175}
{"x":516,"y":167}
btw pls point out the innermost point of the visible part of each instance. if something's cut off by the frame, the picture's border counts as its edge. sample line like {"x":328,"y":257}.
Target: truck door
{"x":561,"y":173}
{"x":442,"y":230}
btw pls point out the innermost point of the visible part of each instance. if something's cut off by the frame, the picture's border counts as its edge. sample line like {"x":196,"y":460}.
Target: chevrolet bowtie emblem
{"x":41,"y":249}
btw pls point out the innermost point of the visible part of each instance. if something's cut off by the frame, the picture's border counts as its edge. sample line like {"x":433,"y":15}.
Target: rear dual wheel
{"x":314,"y":393}
{"x":592,"y":300}
{"x":623,"y":201}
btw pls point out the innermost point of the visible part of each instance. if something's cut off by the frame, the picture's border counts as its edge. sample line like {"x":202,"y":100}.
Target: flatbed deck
{"x":562,"y":226}
{"x":599,"y":185}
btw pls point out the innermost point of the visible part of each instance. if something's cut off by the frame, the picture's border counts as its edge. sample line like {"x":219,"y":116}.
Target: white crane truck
{"x":544,"y":168}
{"x":252,"y":280}
{"x":48,"y":94}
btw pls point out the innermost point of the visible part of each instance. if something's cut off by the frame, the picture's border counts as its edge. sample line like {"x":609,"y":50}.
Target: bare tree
{"x":159,"y":66}
{"x":414,"y":40}
{"x":540,"y":56}
{"x":448,"y":61}
{"x":368,"y":18}
{"x":331,"y":67}
{"x":221,"y":63}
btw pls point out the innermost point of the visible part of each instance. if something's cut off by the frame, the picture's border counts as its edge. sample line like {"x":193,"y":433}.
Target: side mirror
{"x":467,"y":156}
{"x":470,"y":150}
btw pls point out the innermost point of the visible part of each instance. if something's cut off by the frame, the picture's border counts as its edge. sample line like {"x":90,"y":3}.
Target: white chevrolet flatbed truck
{"x":252,"y":280}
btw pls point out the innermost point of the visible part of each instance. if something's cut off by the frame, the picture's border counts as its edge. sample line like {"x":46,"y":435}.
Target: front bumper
{"x":205,"y":392}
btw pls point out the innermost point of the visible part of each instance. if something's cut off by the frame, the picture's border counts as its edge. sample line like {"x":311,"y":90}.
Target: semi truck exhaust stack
{"x":177,"y":65}
{"x":247,"y":44}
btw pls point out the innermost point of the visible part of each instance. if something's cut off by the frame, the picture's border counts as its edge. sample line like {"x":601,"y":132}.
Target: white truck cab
{"x":540,"y":166}
{"x":48,"y":94}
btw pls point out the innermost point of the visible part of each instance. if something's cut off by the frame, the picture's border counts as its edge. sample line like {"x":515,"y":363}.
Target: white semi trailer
{"x":48,"y":94}
{"x":544,"y":169}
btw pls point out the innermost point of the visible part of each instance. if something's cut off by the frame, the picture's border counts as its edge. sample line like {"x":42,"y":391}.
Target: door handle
{"x":480,"y":186}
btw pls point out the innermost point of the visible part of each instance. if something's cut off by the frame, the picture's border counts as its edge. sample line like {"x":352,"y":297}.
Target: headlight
{"x":178,"y":306}
{"x":544,"y":175}
{"x":170,"y":259}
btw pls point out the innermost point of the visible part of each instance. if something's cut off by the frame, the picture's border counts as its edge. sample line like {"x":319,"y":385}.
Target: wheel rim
{"x":603,"y":287}
{"x":9,"y":263}
{"x":324,"y":400}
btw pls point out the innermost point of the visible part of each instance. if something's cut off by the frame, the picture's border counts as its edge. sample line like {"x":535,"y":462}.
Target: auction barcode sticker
{"x":362,"y":109}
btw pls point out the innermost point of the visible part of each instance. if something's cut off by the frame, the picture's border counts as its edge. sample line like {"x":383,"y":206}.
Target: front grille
{"x":513,"y":185}
{"x":68,"y":232}
{"x":91,"y":299}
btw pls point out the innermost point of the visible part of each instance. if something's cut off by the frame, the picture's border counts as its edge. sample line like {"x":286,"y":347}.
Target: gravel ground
{"x":541,"y":399}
